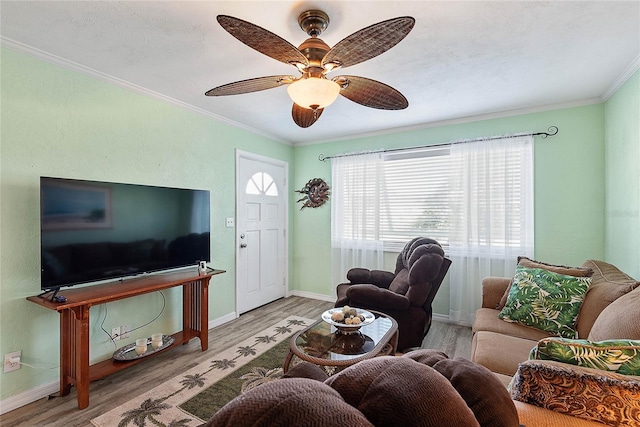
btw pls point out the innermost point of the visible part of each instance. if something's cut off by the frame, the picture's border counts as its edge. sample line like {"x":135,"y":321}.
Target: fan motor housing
{"x":314,"y":49}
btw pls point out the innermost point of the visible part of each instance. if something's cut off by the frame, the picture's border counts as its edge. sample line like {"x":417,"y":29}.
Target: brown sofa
{"x":422,"y":388}
{"x":610,"y":310}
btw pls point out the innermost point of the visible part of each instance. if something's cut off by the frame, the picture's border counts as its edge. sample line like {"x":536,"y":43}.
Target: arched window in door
{"x":261,"y":183}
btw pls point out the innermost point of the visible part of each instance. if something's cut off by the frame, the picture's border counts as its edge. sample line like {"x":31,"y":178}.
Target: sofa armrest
{"x":572,"y":390}
{"x":376,"y":298}
{"x":535,"y":416}
{"x":493,"y":288}
{"x":380,"y":278}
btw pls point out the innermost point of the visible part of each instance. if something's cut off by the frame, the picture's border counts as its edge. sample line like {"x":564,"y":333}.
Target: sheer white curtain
{"x":491,"y":201}
{"x":355,"y":186}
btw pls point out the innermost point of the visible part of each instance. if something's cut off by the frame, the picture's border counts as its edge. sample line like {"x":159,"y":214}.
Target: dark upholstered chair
{"x":405,"y":295}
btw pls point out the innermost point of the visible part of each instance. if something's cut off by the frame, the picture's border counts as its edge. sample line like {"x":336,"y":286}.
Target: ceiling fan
{"x":312,"y":91}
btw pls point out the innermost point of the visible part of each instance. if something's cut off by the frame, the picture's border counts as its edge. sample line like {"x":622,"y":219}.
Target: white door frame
{"x":239,"y":187}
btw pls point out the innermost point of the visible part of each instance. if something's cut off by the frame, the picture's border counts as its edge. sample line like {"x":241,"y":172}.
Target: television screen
{"x":92,"y":231}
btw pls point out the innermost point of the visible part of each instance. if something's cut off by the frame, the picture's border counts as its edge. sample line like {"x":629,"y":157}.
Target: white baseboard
{"x":222,"y":320}
{"x":312,"y":295}
{"x":24,"y":398}
{"x":444,"y":318}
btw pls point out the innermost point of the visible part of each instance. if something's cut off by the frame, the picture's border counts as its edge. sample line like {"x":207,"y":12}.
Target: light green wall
{"x":622,"y":160}
{"x":55,"y":122}
{"x":569,"y":189}
{"x":59,"y":123}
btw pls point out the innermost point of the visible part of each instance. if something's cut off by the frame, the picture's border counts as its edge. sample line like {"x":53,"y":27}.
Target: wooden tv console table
{"x":74,"y":322}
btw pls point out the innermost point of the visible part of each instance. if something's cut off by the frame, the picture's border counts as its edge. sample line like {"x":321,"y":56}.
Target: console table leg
{"x":74,"y":353}
{"x":204,"y":315}
{"x":66,"y":350}
{"x":195,"y":322}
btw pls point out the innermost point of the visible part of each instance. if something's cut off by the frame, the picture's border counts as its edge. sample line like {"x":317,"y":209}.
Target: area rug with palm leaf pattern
{"x":194,"y":396}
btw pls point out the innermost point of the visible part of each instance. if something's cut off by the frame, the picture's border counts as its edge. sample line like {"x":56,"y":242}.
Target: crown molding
{"x":99,"y":75}
{"x":622,"y":78}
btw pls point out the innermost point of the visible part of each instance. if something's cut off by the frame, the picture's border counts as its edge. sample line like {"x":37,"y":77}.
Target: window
{"x":262,"y":183}
{"x":415,"y":196}
{"x":438,"y":193}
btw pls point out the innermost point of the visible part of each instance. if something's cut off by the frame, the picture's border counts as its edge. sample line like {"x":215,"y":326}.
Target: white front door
{"x":261,"y":250}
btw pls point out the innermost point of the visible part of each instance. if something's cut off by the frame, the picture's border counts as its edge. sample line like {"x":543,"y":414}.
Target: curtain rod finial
{"x":322,"y":157}
{"x":553,"y":130}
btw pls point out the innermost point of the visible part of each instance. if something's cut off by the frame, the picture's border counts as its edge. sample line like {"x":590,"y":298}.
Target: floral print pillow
{"x":620,"y":356}
{"x":545,"y":300}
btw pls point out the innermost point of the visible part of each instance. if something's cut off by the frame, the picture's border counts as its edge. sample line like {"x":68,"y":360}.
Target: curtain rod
{"x":553,"y":130}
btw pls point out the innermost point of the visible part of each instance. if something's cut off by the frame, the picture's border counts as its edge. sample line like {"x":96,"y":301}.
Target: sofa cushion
{"x":292,"y":401}
{"x":487,"y":320}
{"x":482,"y":390}
{"x":621,"y":356}
{"x":504,"y":379}
{"x":608,"y":284}
{"x":619,"y":320}
{"x":583,"y":271}
{"x":306,"y":370}
{"x":535,"y":416}
{"x":545,"y":300}
{"x":500,"y":353}
{"x":392,"y":390}
{"x":578,"y":391}
{"x":490,"y":402}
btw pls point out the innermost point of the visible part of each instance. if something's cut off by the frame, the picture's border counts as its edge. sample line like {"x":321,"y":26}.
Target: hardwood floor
{"x":117,"y":388}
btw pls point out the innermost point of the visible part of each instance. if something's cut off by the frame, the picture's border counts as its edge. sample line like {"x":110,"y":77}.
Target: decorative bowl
{"x":343,"y":327}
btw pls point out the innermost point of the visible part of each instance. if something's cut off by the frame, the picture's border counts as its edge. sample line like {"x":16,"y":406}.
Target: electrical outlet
{"x":115,"y":333}
{"x":12,"y":366}
{"x":124,"y":331}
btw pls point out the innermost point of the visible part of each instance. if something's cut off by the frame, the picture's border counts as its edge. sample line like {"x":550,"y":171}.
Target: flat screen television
{"x":94,"y":231}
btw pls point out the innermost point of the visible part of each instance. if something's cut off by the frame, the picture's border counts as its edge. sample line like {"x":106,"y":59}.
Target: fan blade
{"x":262,"y":40}
{"x":305,"y":117}
{"x":369,"y":42}
{"x":250,"y":85}
{"x":371,"y":93}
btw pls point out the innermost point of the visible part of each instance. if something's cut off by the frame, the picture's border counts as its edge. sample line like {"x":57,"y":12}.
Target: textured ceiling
{"x":461,"y":60}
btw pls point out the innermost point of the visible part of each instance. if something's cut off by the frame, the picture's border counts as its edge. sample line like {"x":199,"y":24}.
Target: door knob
{"x":243,"y":245}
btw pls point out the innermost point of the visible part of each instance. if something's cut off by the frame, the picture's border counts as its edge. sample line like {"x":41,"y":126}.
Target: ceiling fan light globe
{"x":313,"y":92}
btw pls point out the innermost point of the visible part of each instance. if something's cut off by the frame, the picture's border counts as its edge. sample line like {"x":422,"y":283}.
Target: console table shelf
{"x":74,"y":322}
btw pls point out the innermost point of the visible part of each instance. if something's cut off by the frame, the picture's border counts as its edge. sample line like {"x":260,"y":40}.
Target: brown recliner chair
{"x":406,"y":295}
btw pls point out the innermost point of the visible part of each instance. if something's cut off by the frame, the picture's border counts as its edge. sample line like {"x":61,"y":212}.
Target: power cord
{"x":113,"y":338}
{"x":17,"y":360}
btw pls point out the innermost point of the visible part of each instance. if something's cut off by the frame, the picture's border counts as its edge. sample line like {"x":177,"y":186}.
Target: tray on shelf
{"x":128,"y":352}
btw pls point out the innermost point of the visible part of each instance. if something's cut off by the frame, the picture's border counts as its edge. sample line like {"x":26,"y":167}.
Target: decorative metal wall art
{"x":316,"y":193}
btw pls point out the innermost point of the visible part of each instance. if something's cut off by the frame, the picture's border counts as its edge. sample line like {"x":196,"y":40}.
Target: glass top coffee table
{"x":324,"y":345}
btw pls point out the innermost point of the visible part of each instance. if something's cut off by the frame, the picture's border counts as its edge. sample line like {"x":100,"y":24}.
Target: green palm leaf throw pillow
{"x":545,"y":300}
{"x":620,"y":356}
